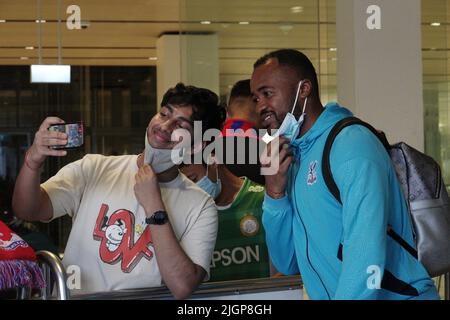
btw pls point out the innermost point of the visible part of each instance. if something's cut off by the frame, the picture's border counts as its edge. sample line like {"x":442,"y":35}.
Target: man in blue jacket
{"x":341,"y":251}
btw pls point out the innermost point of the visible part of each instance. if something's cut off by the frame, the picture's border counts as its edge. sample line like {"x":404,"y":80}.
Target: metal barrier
{"x":52,"y":268}
{"x":447,"y":286}
{"x":210,"y":290}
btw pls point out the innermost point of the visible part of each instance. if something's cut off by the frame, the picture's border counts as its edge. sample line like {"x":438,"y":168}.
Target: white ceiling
{"x":125,"y":32}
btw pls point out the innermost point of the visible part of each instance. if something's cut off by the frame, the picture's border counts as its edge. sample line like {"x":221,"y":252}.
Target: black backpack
{"x":423,"y":187}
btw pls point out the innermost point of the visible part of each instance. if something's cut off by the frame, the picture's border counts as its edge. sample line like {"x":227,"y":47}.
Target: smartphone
{"x":75,"y":134}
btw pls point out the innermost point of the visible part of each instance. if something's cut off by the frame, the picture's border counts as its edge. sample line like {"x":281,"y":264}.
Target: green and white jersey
{"x":241,"y":251}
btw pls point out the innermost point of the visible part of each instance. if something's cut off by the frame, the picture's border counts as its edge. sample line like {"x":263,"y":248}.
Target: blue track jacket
{"x":343,"y":251}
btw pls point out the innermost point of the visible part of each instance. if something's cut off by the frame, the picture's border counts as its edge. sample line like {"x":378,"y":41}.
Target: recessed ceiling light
{"x":23,"y":58}
{"x":297,"y":9}
{"x":2,"y":21}
{"x":41,"y":21}
{"x":153,"y":58}
{"x":286,"y":27}
{"x":333,"y":49}
{"x":29,"y":48}
{"x":435,"y":24}
{"x":205,"y":22}
{"x":244,"y":22}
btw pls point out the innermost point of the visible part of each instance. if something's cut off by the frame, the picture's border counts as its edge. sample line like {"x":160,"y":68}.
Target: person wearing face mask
{"x":137,"y":222}
{"x":240,"y":251}
{"x":342,"y":250}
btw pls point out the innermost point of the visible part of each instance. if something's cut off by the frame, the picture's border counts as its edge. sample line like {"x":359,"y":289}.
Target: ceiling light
{"x":205,"y":22}
{"x":153,"y":58}
{"x":435,"y":24}
{"x":29,"y":48}
{"x":286,"y":28}
{"x":50,"y":73}
{"x":23,"y":58}
{"x":244,"y":22}
{"x":2,"y":21}
{"x":333,"y":49}
{"x":297,"y":9}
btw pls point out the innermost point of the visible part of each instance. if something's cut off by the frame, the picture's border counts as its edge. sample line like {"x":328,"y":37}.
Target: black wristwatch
{"x":158,"y":218}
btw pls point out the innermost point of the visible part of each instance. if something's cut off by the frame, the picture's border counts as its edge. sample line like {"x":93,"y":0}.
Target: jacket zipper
{"x":306,"y":235}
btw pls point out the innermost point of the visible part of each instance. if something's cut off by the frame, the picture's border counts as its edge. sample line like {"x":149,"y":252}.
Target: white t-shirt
{"x":110,"y":241}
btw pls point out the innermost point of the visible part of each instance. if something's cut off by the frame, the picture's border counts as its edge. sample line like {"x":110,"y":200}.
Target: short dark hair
{"x":204,"y":102}
{"x":241,"y":89}
{"x":295,"y":60}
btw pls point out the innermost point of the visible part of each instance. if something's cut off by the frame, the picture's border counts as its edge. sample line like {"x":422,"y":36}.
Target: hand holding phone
{"x":75,"y":134}
{"x":44,"y":142}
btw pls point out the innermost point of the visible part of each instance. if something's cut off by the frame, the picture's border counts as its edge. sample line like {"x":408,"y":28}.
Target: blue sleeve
{"x":277,"y":222}
{"x":364,"y":188}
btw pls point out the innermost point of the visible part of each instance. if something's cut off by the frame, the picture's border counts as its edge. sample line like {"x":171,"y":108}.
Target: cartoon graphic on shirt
{"x":116,"y":236}
{"x":114,"y":233}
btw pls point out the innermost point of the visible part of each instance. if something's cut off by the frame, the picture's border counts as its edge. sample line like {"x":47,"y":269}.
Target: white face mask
{"x":159,"y":159}
{"x":290,"y":127}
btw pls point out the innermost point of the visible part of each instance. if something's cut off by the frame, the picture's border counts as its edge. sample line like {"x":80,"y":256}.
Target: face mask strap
{"x":208,"y":164}
{"x":304,"y":104}
{"x":296,"y":97}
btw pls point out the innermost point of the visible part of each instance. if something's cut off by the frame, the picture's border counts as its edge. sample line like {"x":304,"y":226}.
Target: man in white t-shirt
{"x":137,"y":221}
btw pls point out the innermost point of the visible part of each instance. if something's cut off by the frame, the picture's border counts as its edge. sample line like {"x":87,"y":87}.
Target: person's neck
{"x":230,"y":187}
{"x":313,"y":112}
{"x":165,"y":176}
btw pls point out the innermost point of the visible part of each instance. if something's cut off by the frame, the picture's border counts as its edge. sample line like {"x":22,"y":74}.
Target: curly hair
{"x":204,"y":102}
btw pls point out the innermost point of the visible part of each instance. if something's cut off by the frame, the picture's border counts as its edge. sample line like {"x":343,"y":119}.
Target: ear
{"x":305,"y":89}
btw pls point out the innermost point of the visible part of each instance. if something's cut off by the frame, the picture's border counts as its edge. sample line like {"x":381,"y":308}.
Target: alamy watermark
{"x":373,"y":22}
{"x":374,"y":280}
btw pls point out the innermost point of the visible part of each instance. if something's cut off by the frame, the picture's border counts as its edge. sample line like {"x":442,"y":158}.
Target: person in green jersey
{"x":240,"y":251}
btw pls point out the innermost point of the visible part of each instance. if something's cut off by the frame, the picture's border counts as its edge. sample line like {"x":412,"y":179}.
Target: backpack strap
{"x":328,"y":176}
{"x":338,"y":127}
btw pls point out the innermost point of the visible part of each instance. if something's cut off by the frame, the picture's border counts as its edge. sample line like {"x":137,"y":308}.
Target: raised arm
{"x":30,"y":202}
{"x":277,"y":210}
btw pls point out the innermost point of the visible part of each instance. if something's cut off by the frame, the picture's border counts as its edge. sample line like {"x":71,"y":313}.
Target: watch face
{"x":160,"y":217}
